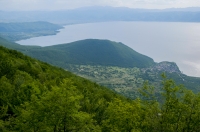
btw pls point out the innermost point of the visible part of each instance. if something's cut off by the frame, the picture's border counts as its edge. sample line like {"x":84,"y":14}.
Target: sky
{"x":15,"y":5}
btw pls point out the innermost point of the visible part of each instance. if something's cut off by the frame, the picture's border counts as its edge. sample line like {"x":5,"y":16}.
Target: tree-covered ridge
{"x":92,"y":52}
{"x":25,"y":30}
{"x":37,"y":97}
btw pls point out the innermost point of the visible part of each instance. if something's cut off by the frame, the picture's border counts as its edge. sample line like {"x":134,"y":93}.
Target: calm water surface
{"x":162,"y":41}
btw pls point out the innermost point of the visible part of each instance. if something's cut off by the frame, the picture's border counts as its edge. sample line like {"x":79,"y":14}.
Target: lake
{"x":162,"y":41}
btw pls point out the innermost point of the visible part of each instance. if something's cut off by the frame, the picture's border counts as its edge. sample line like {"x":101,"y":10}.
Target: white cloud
{"x":192,"y":68}
{"x":68,"y":4}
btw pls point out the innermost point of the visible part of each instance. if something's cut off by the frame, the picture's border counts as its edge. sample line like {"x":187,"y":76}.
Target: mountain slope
{"x":12,"y":45}
{"x":93,"y":52}
{"x":33,"y":93}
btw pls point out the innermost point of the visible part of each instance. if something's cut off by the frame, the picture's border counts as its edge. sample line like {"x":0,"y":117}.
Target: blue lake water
{"x":162,"y":41}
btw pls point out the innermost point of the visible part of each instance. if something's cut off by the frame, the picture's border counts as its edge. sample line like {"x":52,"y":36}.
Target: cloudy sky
{"x":69,"y":4}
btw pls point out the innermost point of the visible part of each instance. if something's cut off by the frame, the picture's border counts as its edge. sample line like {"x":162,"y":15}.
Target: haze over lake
{"x":162,"y":41}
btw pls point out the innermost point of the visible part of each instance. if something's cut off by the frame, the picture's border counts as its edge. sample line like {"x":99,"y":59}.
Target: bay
{"x":163,"y":41}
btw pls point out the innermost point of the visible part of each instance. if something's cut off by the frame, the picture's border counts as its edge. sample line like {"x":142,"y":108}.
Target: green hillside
{"x":92,"y":52}
{"x":25,"y":30}
{"x":12,"y":45}
{"x":25,"y":82}
{"x":102,"y":65}
{"x":37,"y":97}
{"x":4,"y":42}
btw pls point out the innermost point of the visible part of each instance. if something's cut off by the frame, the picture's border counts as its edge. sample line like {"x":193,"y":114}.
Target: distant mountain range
{"x":108,"y":63}
{"x":99,"y":14}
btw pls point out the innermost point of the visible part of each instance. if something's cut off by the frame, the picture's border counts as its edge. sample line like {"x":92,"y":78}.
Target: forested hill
{"x":4,"y":42}
{"x":92,"y":52}
{"x":35,"y":96}
{"x":12,"y":45}
{"x":87,"y":52}
{"x":24,"y":30}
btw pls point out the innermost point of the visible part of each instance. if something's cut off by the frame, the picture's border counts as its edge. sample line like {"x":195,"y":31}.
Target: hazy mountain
{"x":99,"y":14}
{"x":25,"y":30}
{"x":188,"y":9}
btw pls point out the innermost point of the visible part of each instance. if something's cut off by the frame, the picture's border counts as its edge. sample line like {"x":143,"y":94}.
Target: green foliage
{"x":56,"y":110}
{"x":35,"y":96}
{"x":178,"y":111}
{"x":122,"y":116}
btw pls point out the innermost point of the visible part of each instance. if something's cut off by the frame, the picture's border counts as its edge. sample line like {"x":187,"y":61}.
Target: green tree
{"x":122,"y":116}
{"x":56,"y":110}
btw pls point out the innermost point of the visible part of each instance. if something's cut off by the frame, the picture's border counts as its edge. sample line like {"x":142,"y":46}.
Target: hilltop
{"x":92,"y":52}
{"x":87,"y":52}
